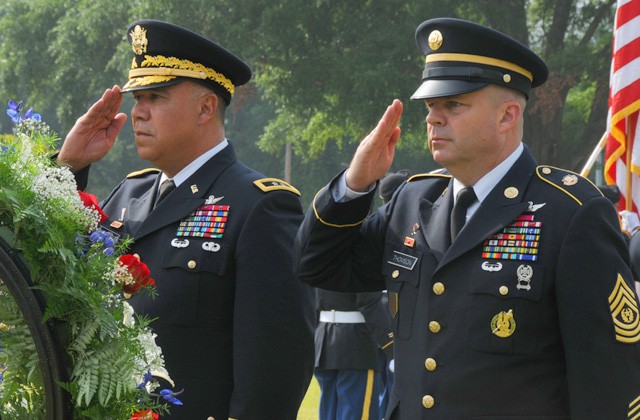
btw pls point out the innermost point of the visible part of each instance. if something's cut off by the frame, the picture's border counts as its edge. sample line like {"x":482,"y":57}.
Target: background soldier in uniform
{"x":235,"y":328}
{"x":352,"y":329}
{"x":527,"y":310}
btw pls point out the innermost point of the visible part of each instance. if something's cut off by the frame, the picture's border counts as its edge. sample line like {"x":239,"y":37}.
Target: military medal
{"x":519,"y":240}
{"x":208,"y":221}
{"x":503,"y":324}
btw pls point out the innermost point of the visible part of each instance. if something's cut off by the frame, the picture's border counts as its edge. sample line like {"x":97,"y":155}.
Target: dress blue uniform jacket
{"x":235,"y":328}
{"x":478,"y":334}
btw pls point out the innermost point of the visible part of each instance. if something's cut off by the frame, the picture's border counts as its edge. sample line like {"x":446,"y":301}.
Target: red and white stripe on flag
{"x":624,"y":103}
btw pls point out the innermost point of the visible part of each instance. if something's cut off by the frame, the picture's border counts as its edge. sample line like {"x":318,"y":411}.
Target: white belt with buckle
{"x":341,"y":317}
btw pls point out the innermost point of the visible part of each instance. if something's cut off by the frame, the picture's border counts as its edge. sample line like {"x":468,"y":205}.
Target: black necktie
{"x":165,"y":188}
{"x":464,"y":199}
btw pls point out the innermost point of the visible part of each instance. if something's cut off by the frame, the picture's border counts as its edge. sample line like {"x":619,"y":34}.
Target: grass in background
{"x":309,"y":408}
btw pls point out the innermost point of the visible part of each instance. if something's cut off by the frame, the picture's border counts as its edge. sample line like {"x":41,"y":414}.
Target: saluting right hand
{"x":94,"y":133}
{"x":374,"y":155}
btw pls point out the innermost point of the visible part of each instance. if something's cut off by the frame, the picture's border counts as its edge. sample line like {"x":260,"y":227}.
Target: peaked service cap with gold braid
{"x":166,"y":54}
{"x":463,"y":57}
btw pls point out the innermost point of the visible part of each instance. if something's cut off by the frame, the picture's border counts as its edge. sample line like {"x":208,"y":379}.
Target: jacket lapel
{"x":435,"y":221}
{"x":185,"y":198}
{"x":138,"y":209}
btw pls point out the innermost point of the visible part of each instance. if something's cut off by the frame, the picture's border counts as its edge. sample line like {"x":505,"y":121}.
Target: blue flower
{"x":4,"y":149}
{"x":145,"y":380}
{"x":31,"y":114}
{"x":96,"y":236}
{"x":170,"y":396}
{"x":15,"y":113}
{"x":99,"y":239}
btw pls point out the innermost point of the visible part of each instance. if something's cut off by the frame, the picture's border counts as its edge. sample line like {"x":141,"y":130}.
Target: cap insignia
{"x":139,"y":40}
{"x":506,"y":78}
{"x":435,"y":40}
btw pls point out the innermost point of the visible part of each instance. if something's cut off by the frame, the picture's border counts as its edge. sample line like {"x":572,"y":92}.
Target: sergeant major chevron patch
{"x":624,"y":311}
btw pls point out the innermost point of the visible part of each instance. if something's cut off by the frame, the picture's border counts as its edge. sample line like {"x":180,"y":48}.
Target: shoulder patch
{"x":574,"y":185}
{"x":438,"y":173}
{"x":275,"y":184}
{"x":623,"y":303}
{"x":143,"y":172}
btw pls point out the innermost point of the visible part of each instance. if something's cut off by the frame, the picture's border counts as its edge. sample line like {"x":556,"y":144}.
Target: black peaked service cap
{"x":166,"y":54}
{"x":462,"y":57}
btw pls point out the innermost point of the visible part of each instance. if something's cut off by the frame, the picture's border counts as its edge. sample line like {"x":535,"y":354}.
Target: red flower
{"x":138,"y":274}
{"x":145,"y":415}
{"x":90,"y":201}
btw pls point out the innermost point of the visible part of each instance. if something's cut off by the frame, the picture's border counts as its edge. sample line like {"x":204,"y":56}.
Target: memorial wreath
{"x":85,"y":277}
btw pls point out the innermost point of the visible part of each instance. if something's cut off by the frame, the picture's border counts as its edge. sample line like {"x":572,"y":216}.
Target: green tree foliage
{"x":324,"y":71}
{"x":330,"y":68}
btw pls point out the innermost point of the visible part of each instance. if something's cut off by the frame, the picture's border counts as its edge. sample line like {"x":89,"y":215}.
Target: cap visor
{"x":139,"y":83}
{"x":434,"y":88}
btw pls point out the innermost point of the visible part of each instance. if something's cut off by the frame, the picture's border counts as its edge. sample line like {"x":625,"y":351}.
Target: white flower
{"x":127,"y":319}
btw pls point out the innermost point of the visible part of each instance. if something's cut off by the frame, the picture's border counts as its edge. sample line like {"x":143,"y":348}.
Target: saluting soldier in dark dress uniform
{"x":235,"y":328}
{"x":529,"y":310}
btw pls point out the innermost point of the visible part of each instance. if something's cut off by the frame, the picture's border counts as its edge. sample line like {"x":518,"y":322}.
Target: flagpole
{"x":594,"y":155}
{"x":628,"y":198}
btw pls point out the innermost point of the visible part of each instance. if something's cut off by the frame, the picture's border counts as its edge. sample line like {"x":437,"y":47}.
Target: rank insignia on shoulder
{"x":572,"y":184}
{"x":275,"y":184}
{"x":624,"y":312}
{"x":136,"y":174}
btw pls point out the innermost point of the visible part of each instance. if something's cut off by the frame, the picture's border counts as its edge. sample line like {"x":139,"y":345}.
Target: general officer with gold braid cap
{"x":509,"y":283}
{"x":235,"y":328}
{"x":168,"y":54}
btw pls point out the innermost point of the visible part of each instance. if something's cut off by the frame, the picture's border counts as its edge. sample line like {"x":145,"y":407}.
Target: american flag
{"x":622,"y":154}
